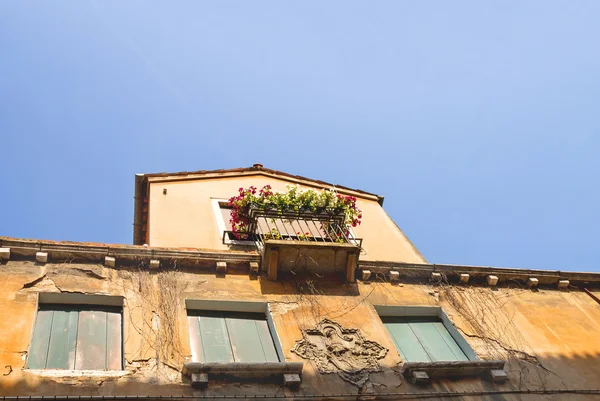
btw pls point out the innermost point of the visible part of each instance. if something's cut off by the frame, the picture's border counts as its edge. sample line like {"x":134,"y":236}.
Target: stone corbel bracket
{"x":4,"y":253}
{"x":288,"y":373}
{"x":423,"y":372}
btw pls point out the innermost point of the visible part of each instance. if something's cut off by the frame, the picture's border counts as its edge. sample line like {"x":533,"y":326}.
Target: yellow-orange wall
{"x":547,"y":337}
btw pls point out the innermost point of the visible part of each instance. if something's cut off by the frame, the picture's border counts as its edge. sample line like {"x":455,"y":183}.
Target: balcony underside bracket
{"x":314,"y":257}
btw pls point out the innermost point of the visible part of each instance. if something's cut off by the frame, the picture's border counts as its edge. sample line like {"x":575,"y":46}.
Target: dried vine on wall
{"x":154,"y":303}
{"x":490,"y":320}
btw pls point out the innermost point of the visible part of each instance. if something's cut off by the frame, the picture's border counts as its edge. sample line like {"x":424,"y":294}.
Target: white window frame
{"x":428,"y":311}
{"x":221,"y":223}
{"x":237,"y":306}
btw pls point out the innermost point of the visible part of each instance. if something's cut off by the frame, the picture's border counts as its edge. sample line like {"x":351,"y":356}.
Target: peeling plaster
{"x":92,"y":272}
{"x":40,"y":284}
{"x":281,"y":308}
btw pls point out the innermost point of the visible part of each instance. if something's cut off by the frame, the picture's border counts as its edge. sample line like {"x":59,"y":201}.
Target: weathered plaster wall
{"x":184,"y":217}
{"x":548,"y":337}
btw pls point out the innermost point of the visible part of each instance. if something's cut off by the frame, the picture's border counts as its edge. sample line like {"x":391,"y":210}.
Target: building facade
{"x":295,"y":303}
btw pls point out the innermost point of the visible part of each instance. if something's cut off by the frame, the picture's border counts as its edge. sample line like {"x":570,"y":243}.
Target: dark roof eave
{"x":138,"y":207}
{"x":259,"y":167}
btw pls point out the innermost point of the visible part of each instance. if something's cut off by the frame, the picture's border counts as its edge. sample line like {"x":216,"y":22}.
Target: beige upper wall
{"x":184,"y":217}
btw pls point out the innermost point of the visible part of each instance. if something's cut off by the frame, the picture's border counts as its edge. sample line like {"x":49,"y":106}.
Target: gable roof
{"x":141,"y":188}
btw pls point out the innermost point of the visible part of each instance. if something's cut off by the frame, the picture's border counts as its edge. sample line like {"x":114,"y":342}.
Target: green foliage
{"x":295,"y":200}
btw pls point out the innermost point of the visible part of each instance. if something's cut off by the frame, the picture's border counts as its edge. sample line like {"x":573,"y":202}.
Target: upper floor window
{"x":76,"y":337}
{"x":222,"y":212}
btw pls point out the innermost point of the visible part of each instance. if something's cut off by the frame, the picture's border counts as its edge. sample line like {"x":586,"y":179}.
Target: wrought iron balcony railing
{"x":295,"y":226}
{"x":288,"y":240}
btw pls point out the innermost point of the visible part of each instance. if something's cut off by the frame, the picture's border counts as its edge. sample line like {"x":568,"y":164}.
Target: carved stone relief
{"x":340,"y":350}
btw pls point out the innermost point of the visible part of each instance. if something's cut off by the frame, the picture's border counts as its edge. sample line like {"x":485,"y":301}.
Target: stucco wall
{"x":547,"y":337}
{"x":184,"y":217}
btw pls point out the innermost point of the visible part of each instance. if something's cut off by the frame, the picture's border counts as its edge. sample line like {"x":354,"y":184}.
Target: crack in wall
{"x":46,"y":284}
{"x":520,"y":354}
{"x":91,"y":273}
{"x":34,"y":282}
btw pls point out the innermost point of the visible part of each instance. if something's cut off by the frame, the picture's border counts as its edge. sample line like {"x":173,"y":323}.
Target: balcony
{"x":303,"y":242}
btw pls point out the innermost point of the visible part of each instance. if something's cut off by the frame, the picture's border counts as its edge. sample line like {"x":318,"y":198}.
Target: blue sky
{"x":478,"y":121}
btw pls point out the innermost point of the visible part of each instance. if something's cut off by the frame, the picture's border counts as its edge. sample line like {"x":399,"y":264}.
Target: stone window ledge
{"x":422,"y":372}
{"x":200,"y":373}
{"x":76,"y":373}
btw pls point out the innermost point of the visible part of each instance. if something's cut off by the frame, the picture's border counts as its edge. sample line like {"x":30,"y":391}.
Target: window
{"x":423,"y":339}
{"x":77,"y":338}
{"x":230,"y":337}
{"x":424,"y":334}
{"x":222,"y":213}
{"x":232,"y":332}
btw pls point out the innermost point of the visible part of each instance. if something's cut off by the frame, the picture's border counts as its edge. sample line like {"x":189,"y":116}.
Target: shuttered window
{"x":77,"y":338}
{"x":229,"y":337}
{"x":423,"y":339}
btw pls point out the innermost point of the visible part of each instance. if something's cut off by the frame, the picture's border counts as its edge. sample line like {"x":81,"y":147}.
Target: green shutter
{"x":450,"y":342}
{"x":227,"y":337}
{"x":114,"y":345}
{"x":423,"y":340}
{"x":38,"y":352}
{"x":245,"y":343}
{"x":249,"y":344}
{"x":266,"y":340}
{"x":215,"y":339}
{"x":195,"y":340}
{"x":91,"y":341}
{"x":70,"y":337}
{"x":61,"y":352}
{"x":434,"y":344}
{"x":407,"y":343}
